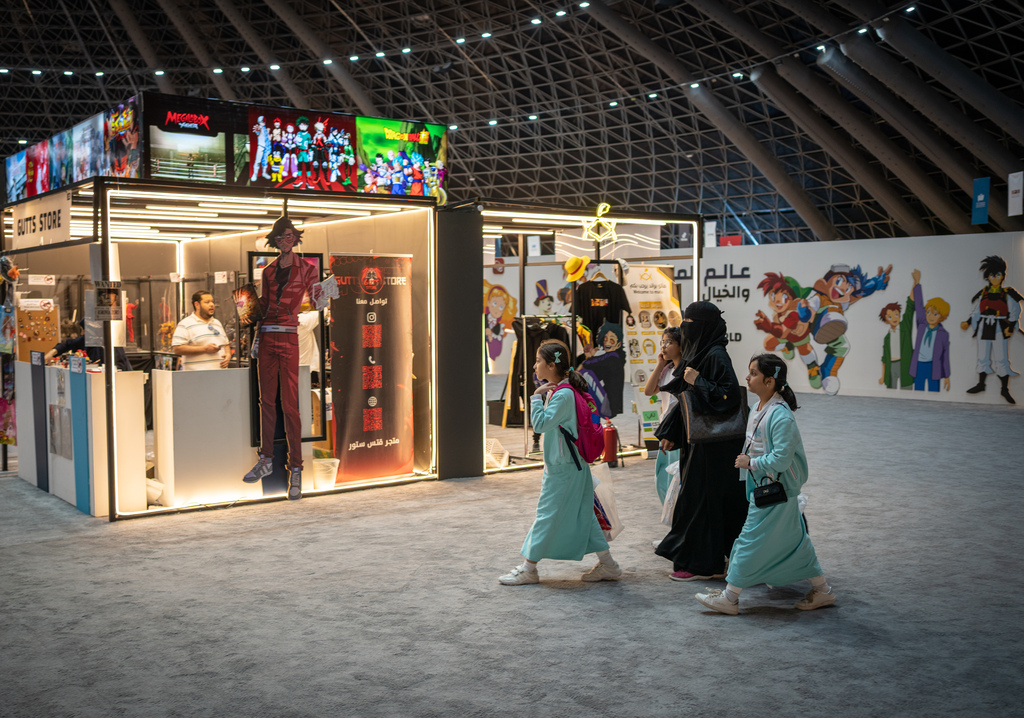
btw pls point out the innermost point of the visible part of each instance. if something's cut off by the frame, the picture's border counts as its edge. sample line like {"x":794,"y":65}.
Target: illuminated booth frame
{"x":510,"y":222}
{"x":438,"y":244}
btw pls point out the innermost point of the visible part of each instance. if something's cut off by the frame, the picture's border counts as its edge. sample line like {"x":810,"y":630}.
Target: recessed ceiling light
{"x":328,"y":61}
{"x":68,"y":73}
{"x":22,"y":142}
{"x":738,"y":75}
{"x":862,"y":30}
{"x":4,"y":70}
{"x":381,"y":54}
{"x":613,"y":104}
{"x":911,"y":9}
{"x":653,"y":95}
{"x":486,"y":35}
{"x":695,"y":85}
{"x":460,"y":40}
{"x":533,"y":117}
{"x":353,"y":58}
{"x":158,"y":73}
{"x":217,"y":71}
{"x":37,"y":72}
{"x":560,"y":13}
{"x":99,"y":74}
{"x":453,"y":127}
{"x":492,"y":122}
{"x":245,"y":69}
{"x":584,"y":4}
{"x":406,"y":50}
{"x":275,"y":67}
{"x":536,"y":21}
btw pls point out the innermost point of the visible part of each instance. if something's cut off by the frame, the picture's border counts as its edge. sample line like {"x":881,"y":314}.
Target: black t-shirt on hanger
{"x":601,"y":300}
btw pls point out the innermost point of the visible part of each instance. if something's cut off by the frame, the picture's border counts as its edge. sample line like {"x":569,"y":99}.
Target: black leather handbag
{"x":769,"y":494}
{"x":711,"y":428}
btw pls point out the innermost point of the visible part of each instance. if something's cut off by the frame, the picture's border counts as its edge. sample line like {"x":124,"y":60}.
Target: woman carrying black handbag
{"x":712,"y":505}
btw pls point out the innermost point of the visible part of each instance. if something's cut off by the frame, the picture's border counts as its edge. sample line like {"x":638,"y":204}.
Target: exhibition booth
{"x":635,"y":274}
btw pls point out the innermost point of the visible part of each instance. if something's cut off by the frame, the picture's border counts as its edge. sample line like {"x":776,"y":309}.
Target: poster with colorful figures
{"x":401,"y":158}
{"x":300,"y":149}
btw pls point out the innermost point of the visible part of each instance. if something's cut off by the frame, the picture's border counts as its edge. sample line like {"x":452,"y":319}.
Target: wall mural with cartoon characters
{"x":877,"y":310}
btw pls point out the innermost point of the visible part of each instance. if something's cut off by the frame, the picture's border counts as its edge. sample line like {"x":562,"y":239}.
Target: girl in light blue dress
{"x":566,"y":527}
{"x":773,"y":547}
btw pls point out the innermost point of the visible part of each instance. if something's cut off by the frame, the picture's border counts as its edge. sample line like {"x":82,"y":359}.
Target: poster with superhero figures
{"x":872,"y":317}
{"x":371,"y":362}
{"x":300,"y":149}
{"x":401,"y":158}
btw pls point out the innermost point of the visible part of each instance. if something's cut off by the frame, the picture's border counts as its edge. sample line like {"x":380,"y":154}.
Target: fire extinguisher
{"x":611,"y":444}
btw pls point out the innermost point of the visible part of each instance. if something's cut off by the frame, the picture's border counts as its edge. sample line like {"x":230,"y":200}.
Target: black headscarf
{"x":705,"y":329}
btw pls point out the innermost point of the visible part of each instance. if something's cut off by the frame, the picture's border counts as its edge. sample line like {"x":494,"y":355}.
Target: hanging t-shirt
{"x":599,"y":301}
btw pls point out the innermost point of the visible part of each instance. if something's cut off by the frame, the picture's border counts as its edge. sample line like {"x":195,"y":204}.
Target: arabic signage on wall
{"x":371,"y":362}
{"x":877,"y":317}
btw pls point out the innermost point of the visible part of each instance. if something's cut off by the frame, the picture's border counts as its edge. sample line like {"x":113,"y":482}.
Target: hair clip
{"x":558,"y":356}
{"x":777,"y":369}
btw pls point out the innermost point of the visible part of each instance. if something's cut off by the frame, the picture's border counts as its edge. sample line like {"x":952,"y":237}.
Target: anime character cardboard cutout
{"x":994,"y":318}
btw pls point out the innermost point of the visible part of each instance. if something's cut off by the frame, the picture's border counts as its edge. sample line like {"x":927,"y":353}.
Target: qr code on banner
{"x":373,"y":419}
{"x":371,"y":335}
{"x":373,"y":377}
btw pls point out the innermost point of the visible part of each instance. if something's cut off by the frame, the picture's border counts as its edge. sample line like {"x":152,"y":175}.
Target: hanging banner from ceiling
{"x":371,"y":365}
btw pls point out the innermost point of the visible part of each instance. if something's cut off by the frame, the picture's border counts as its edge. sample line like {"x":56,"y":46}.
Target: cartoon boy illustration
{"x":544,"y":301}
{"x":898,"y":344}
{"x":787,"y":328}
{"x":828,"y":300}
{"x":930,"y":361}
{"x":996,"y":311}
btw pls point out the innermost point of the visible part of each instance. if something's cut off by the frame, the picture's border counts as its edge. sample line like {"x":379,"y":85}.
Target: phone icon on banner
{"x":372,"y":361}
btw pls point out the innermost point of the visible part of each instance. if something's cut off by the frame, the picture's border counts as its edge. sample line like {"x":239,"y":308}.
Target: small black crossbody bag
{"x":770,"y":491}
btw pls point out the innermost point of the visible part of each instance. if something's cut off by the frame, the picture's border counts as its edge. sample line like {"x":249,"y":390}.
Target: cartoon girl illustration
{"x":499,"y":311}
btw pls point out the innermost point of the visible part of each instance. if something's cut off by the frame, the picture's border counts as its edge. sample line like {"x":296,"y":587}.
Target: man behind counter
{"x":200,"y":338}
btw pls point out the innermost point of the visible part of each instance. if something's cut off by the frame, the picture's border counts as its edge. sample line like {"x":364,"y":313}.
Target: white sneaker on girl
{"x":520,"y":576}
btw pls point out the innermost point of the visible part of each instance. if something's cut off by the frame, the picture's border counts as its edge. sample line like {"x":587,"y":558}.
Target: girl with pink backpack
{"x":566,"y":527}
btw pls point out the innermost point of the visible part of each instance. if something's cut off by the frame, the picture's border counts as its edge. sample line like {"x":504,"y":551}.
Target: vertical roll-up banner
{"x":979,"y":207}
{"x":371,"y":365}
{"x":1015,"y":200}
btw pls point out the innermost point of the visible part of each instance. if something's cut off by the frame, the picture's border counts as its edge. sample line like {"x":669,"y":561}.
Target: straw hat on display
{"x":575,"y":267}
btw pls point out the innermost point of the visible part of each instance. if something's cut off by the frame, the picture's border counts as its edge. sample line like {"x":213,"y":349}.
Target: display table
{"x":202,"y":440}
{"x":65,"y":444}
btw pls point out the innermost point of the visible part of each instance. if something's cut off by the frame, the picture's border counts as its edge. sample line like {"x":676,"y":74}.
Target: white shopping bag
{"x":672,"y":495}
{"x":604,"y":495}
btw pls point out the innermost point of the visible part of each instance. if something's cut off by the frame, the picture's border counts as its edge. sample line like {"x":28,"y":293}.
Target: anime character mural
{"x":499,"y":311}
{"x":929,"y":364}
{"x":994,"y":318}
{"x":606,"y":359}
{"x":544,"y":301}
{"x":261,"y":157}
{"x":898,"y":344}
{"x":789,"y":327}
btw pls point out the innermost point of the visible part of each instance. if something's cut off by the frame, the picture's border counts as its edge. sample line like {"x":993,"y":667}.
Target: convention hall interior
{"x":453,"y":274}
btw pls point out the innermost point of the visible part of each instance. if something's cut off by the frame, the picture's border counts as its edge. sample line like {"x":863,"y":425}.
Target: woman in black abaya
{"x":712,"y":505}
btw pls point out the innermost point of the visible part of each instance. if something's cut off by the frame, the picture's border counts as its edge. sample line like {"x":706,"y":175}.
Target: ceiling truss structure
{"x":779,"y":118}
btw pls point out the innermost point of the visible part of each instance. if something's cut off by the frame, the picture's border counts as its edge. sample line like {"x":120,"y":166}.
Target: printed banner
{"x":651,"y":293}
{"x":1015,"y":200}
{"x":979,"y":207}
{"x":371,"y":365}
{"x":298,"y":149}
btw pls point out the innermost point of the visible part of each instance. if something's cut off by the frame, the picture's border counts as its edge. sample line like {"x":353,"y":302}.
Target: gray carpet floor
{"x":385,"y":602}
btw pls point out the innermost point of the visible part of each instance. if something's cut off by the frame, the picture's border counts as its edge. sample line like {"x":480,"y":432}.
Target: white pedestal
{"x":202,"y":435}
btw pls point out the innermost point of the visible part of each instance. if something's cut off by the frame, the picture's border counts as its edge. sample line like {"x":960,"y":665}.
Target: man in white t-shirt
{"x":200,"y":338}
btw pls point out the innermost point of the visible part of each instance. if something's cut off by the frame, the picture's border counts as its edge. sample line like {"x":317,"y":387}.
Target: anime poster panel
{"x":890,"y":317}
{"x":121,"y":140}
{"x":298,"y":149}
{"x":88,"y":156}
{"x":401,"y":158}
{"x":61,"y":152}
{"x":188,"y":138}
{"x":500,"y":308}
{"x":37,"y":169}
{"x":371,"y":362}
{"x":15,"y":167}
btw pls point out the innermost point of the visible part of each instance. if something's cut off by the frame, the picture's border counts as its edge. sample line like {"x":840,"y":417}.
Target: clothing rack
{"x":526,"y":365}
{"x":572,"y":331}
